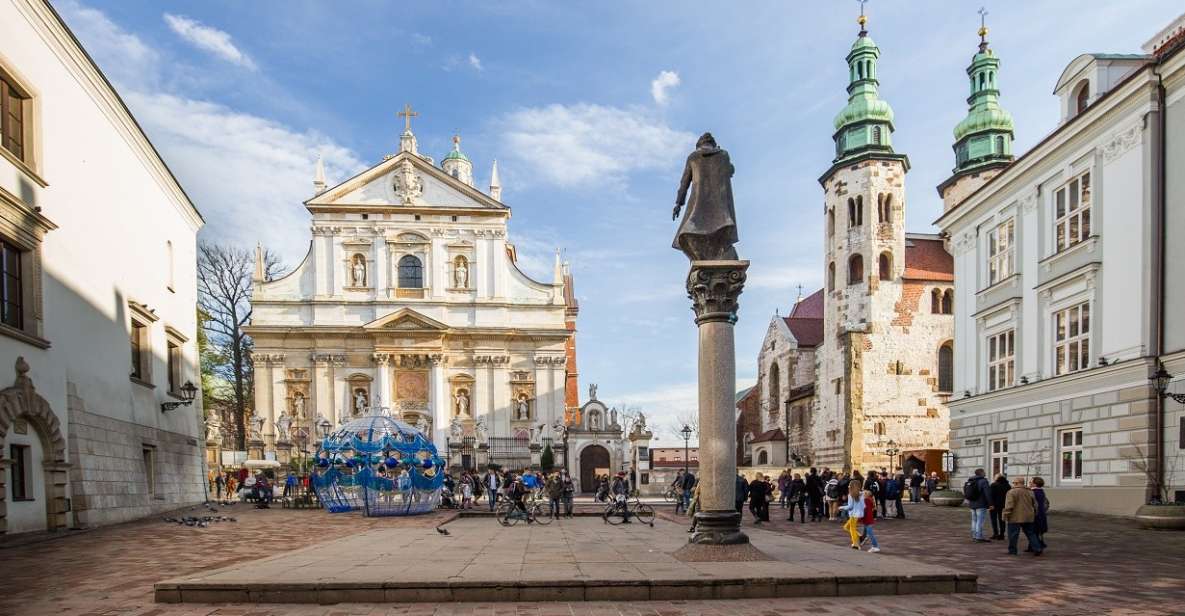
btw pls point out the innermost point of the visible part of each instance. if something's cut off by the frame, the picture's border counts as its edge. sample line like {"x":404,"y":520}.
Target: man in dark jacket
{"x":759,"y":491}
{"x":915,"y":486}
{"x":742,"y":491}
{"x":977,"y":493}
{"x":814,"y":495}
{"x":688,"y":486}
{"x":797,"y":498}
{"x":997,"y":493}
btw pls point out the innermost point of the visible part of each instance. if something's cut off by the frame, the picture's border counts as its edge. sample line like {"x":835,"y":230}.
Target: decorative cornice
{"x":491,"y":359}
{"x":964,"y":242}
{"x":550,"y":360}
{"x":1121,"y":141}
{"x":381,"y":358}
{"x":713,"y":287}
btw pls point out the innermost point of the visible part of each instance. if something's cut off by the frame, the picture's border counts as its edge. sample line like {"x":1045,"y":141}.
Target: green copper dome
{"x":984,"y":136}
{"x":455,"y":155}
{"x":865,"y":124}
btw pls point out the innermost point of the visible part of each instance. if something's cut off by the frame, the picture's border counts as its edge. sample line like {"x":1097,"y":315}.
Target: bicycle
{"x":617,"y":510}
{"x":534,"y":514}
{"x":672,"y":494}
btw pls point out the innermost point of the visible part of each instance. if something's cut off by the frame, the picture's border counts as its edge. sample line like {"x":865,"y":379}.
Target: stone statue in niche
{"x":360,"y":402}
{"x":709,"y":227}
{"x":462,"y":400}
{"x":298,"y":405}
{"x":613,"y":416}
{"x":461,"y":274}
{"x":522,"y":409}
{"x":358,"y":271}
{"x":594,"y":420}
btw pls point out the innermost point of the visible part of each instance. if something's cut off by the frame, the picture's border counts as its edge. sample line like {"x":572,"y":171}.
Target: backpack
{"x":832,"y":490}
{"x":892,"y":491}
{"x":971,"y":490}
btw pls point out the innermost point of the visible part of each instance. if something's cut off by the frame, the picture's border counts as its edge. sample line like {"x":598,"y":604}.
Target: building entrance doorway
{"x":594,"y":460}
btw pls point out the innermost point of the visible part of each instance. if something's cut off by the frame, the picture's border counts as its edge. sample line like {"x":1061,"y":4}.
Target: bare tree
{"x":628,"y":415}
{"x":224,"y":295}
{"x":1142,"y":462}
{"x":685,"y":418}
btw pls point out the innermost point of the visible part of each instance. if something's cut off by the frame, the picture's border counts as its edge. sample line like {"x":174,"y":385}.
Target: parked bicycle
{"x":534,"y":514}
{"x":621,"y":508}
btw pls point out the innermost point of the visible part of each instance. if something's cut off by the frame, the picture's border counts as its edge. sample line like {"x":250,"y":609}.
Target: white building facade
{"x":410,"y":298}
{"x":99,"y":245}
{"x":1060,"y":313}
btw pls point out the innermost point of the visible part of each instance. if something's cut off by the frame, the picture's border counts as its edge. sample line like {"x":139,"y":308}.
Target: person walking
{"x":219,"y":485}
{"x":289,"y":484}
{"x":869,"y":519}
{"x":1020,"y":511}
{"x":831,"y":498}
{"x":492,"y":485}
{"x":1041,"y":520}
{"x":814,"y":493}
{"x":797,"y":498}
{"x":873,"y":486}
{"x":620,"y":491}
{"x":555,"y":494}
{"x":783,"y":489}
{"x":915,"y":486}
{"x":677,"y":489}
{"x":741,"y":492}
{"x":689,"y":483}
{"x":466,"y":491}
{"x":977,"y":493}
{"x":931,"y":485}
{"x":897,"y":494}
{"x":759,"y":494}
{"x":997,"y":492}
{"x":854,"y":509}
{"x":882,"y":494}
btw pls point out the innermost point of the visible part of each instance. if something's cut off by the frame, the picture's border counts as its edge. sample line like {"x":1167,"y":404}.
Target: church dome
{"x":982,"y":120}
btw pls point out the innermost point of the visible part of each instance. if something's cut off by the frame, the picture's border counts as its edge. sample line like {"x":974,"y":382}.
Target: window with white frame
{"x":1001,"y":359}
{"x":1070,"y":452}
{"x":1071,"y":330}
{"x":999,"y":456}
{"x":1000,"y":252}
{"x":1072,"y":212}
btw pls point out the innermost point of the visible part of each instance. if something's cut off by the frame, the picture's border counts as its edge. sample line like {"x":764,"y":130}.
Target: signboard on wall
{"x":233,"y":458}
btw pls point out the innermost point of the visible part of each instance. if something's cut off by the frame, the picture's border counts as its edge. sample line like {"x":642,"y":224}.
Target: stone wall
{"x":108,"y":479}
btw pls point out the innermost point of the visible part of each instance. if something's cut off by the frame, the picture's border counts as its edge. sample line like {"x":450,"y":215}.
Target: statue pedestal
{"x":536,"y":455}
{"x":454,"y":455}
{"x":255,"y":449}
{"x":283,"y":452}
{"x":713,"y":287}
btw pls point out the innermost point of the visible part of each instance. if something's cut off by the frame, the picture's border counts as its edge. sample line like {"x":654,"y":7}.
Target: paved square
{"x":577,"y":559}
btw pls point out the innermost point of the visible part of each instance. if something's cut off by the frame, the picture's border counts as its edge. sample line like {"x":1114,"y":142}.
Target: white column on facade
{"x":544,"y":414}
{"x":481,"y":273}
{"x":337,"y":271}
{"x":380,"y":271}
{"x":500,"y":393}
{"x":278,"y":389}
{"x":438,"y":260}
{"x":439,"y":402}
{"x":383,"y":382}
{"x":498,"y":248}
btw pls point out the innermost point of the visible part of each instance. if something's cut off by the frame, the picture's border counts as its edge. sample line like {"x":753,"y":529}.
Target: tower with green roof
{"x":456,"y":164}
{"x":983,"y":139}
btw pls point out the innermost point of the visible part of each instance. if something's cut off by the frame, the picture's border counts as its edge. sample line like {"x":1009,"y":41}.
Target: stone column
{"x":713,"y":287}
{"x":383,"y":382}
{"x":439,"y":401}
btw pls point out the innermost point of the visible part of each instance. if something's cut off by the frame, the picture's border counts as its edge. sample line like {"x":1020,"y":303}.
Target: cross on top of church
{"x":407,"y":114}
{"x":983,"y":30}
{"x":862,"y":19}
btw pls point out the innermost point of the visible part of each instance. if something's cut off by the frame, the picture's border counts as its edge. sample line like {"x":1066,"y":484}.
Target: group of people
{"x":1013,"y":509}
{"x":494,"y":484}
{"x":242,"y":484}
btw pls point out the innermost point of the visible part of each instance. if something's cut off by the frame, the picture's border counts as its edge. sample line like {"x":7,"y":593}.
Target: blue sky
{"x":590,"y":111}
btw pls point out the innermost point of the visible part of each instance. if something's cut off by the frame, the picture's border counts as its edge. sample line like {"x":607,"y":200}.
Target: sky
{"x":590,"y":110}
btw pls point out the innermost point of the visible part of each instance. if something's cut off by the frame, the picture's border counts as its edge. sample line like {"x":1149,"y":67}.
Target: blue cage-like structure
{"x":380,"y":465}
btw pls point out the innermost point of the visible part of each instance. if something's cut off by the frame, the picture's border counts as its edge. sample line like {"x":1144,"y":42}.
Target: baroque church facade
{"x":410,"y":298}
{"x":860,"y":373}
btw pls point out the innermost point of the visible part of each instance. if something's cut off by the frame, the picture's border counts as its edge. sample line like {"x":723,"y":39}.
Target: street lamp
{"x":892,"y":452}
{"x":686,"y":432}
{"x":562,"y":430}
{"x":325,"y":426}
{"x":188,"y":394}
{"x":1161,"y":381}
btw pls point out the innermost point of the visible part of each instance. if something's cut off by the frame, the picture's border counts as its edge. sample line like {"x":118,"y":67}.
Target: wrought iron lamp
{"x":1160,"y":380}
{"x":686,"y":432}
{"x":188,"y":394}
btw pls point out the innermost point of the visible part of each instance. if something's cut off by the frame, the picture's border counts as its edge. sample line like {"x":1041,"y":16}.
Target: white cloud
{"x":208,"y":39}
{"x":661,"y":86}
{"x":584,"y":144}
{"x":133,"y":61}
{"x":475,"y":62}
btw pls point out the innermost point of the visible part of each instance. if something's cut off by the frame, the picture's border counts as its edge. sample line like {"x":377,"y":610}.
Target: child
{"x":855,"y":510}
{"x":466,"y":493}
{"x":869,"y":520}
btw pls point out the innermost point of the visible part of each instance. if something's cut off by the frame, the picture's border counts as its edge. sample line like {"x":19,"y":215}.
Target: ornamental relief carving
{"x":1121,"y":142}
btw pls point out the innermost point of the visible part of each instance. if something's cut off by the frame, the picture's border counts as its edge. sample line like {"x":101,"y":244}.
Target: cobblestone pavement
{"x":1093,"y":566}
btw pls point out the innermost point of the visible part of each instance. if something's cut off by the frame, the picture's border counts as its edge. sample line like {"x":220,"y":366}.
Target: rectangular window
{"x":140,"y":350}
{"x":999,"y":449}
{"x":174,"y":367}
{"x":1071,"y":330}
{"x":150,"y":470}
{"x":645,"y":479}
{"x":21,"y":481}
{"x":1001,"y":359}
{"x":1070,"y":450}
{"x":1000,"y":252}
{"x":12,"y":119}
{"x":1072,"y":212}
{"x":11,"y":295}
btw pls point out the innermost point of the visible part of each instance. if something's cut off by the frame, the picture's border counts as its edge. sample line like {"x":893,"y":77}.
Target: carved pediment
{"x":405,"y":180}
{"x":406,"y":319}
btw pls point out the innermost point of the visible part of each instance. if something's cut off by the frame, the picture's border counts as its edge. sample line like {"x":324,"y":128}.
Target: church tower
{"x":456,"y":164}
{"x":865,"y":253}
{"x":983,"y":139}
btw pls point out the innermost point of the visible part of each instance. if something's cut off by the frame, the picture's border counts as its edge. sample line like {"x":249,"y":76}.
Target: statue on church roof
{"x":709,"y":228}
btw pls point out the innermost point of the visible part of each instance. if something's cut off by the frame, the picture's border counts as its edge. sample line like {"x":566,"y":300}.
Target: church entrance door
{"x":594,"y":460}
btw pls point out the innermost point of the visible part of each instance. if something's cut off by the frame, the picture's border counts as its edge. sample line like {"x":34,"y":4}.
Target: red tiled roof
{"x":811,"y":307}
{"x":769,"y":435}
{"x":927,"y":259}
{"x":807,"y":331}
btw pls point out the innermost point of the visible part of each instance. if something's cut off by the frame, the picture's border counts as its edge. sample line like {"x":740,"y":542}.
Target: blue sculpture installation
{"x":380,"y":465}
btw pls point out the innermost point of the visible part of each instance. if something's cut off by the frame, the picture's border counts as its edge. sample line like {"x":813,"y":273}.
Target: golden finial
{"x":862,"y":19}
{"x":983,"y":29}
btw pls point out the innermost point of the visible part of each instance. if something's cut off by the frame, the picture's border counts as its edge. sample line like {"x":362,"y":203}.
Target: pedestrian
{"x":998,"y":491}
{"x":814,"y":493}
{"x":784,"y":489}
{"x":831,"y":497}
{"x":689,"y":483}
{"x":620,"y":492}
{"x":569,"y":492}
{"x":694,"y":507}
{"x":677,"y":490}
{"x":915,"y":486}
{"x":1020,"y":511}
{"x":741,"y":493}
{"x":797,"y":498}
{"x":466,"y":491}
{"x":759,"y":495}
{"x":854,"y":509}
{"x":289,"y":484}
{"x":1041,"y":520}
{"x":219,"y":485}
{"x":976,"y":491}
{"x":897,"y":493}
{"x":882,"y":494}
{"x":931,"y":485}
{"x":555,"y":494}
{"x":869,"y":519}
{"x":492,"y":486}
{"x":873,"y":486}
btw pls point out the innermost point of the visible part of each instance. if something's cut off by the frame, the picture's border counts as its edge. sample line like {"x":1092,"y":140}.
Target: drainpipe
{"x":1159,"y":239}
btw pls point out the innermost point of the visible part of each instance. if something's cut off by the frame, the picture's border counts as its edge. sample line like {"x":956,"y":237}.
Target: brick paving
{"x":1094,"y":566}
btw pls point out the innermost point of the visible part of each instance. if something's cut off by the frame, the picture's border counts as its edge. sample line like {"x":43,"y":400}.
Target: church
{"x":410,"y":298}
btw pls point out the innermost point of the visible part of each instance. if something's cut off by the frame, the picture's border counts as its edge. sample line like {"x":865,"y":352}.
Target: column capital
{"x":713,"y":288}
{"x":381,"y":358}
{"x":437,"y":359}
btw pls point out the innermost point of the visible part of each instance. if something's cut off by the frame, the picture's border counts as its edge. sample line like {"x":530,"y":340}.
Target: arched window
{"x":878,"y":428}
{"x":885,"y":269}
{"x":1082,"y":97}
{"x":948,"y":302}
{"x":411,"y":273}
{"x":887,"y":209}
{"x":1000,"y":145}
{"x":831,"y":276}
{"x":935,"y":301}
{"x":851,"y":212}
{"x":763,"y":457}
{"x":859,"y":210}
{"x":856,"y":269}
{"x":876,"y":135}
{"x":946,"y":367}
{"x":775,"y":391}
{"x":831,"y":223}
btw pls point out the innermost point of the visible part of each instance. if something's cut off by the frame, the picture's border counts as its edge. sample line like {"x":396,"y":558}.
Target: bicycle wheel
{"x":669,"y":496}
{"x":539,"y":517}
{"x":511,"y":517}
{"x":614,"y":515}
{"x":645,"y":514}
